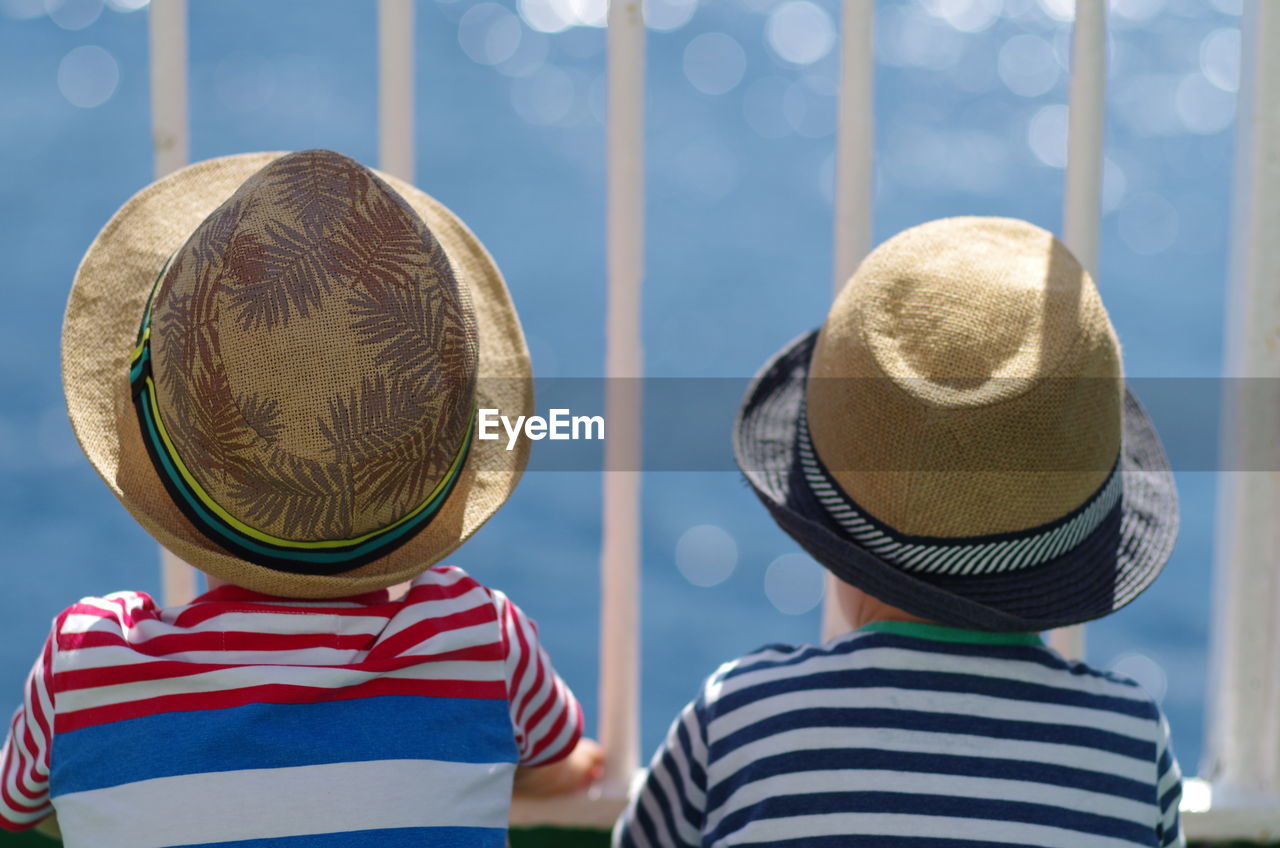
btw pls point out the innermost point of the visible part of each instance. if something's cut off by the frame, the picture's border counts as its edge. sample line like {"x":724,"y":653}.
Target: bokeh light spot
{"x":73,"y":14}
{"x":800,"y":32}
{"x":546,"y":15}
{"x":1114,"y":185}
{"x":714,"y":63}
{"x":811,"y":113}
{"x":1144,"y":671}
{"x":966,"y":15}
{"x":1204,"y":107}
{"x":88,"y":76}
{"x":706,"y":555}
{"x":1047,"y":135}
{"x":1027,"y":65}
{"x":1137,"y":11}
{"x":489,"y":34}
{"x":794,"y":584}
{"x":1059,"y":10}
{"x":530,"y":54}
{"x":592,"y":13}
{"x":1220,"y":58}
{"x":545,"y":97}
{"x":668,"y":15}
{"x":909,"y":38}
{"x":22,"y":10}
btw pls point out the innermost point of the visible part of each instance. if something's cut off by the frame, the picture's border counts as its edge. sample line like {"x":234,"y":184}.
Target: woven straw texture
{"x":964,"y":394}
{"x":976,"y":364}
{"x":320,"y":339}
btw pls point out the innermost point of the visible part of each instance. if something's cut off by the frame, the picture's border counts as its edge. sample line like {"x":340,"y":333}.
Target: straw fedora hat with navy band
{"x":274,"y":362}
{"x":957,"y":439}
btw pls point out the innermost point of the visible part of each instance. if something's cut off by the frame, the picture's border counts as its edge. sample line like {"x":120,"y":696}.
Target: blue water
{"x":738,"y":256}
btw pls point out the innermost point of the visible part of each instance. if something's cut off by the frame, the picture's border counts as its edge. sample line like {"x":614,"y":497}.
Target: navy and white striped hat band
{"x":980,"y":555}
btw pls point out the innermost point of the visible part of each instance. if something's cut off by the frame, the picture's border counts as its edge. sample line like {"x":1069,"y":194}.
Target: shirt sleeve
{"x":1168,"y":790}
{"x":545,"y":714}
{"x":668,"y":808}
{"x":24,"y":759}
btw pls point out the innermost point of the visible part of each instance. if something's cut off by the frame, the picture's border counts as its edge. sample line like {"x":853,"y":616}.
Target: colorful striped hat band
{"x":952,"y":556}
{"x":314,"y":556}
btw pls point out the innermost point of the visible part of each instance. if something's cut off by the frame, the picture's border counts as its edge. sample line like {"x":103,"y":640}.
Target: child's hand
{"x":574,"y":773}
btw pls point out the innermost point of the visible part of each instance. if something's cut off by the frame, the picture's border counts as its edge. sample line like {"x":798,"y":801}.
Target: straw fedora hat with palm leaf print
{"x":275,"y":360}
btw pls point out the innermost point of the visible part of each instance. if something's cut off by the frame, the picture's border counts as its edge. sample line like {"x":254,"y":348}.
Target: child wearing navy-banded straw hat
{"x":957,"y":446}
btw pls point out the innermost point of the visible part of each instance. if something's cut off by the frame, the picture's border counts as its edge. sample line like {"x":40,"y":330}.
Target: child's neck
{"x":860,"y":609}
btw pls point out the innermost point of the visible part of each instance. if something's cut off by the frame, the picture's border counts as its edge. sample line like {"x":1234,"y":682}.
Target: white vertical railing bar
{"x":1082,"y":202}
{"x":395,"y":105}
{"x":855,"y":141}
{"x":169,"y":134}
{"x":1243,"y":735}
{"x":853,"y":192}
{"x":395,"y":88}
{"x":169,"y":128}
{"x":620,"y":544}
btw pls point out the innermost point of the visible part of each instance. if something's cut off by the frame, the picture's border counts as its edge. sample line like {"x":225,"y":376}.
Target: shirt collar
{"x":939,"y":633}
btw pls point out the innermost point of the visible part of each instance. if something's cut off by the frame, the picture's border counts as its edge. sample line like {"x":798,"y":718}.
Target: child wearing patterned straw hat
{"x":957,"y":446}
{"x":274,"y":362}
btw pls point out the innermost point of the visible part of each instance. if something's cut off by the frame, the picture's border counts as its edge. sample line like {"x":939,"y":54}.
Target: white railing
{"x":1239,"y":798}
{"x":624,"y":366}
{"x":169,"y":135}
{"x":1239,"y":792}
{"x":1082,"y":193}
{"x":395,"y":88}
{"x":855,"y":186}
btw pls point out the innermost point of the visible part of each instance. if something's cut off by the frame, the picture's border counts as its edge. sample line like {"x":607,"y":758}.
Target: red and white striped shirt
{"x":239,"y":716}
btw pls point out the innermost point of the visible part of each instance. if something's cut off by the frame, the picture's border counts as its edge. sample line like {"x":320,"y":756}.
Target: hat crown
{"x":967,"y":311}
{"x":315,"y":357}
{"x":967,"y":381}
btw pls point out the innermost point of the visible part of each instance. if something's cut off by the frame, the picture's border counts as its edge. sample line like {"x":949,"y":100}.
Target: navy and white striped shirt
{"x":904,"y":734}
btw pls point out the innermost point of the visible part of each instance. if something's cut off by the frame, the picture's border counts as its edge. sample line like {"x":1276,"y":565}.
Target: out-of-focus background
{"x":970,"y":119}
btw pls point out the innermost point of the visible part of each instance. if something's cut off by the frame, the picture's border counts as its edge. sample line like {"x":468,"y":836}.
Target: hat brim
{"x":106,"y":304}
{"x":1110,"y":568}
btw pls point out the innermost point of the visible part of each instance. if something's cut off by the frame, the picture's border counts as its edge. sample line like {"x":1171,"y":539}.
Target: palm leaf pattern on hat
{"x":371,"y":419}
{"x":318,"y":188}
{"x":306,"y":498}
{"x":211,"y":433}
{"x":202,"y":416}
{"x":277,"y":270}
{"x":380,"y":247}
{"x":204,"y":252}
{"x":395,"y":436}
{"x":187,"y":314}
{"x":401,"y":478}
{"x":176,"y":329}
{"x":261,"y":414}
{"x":401,"y":322}
{"x":404,"y":302}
